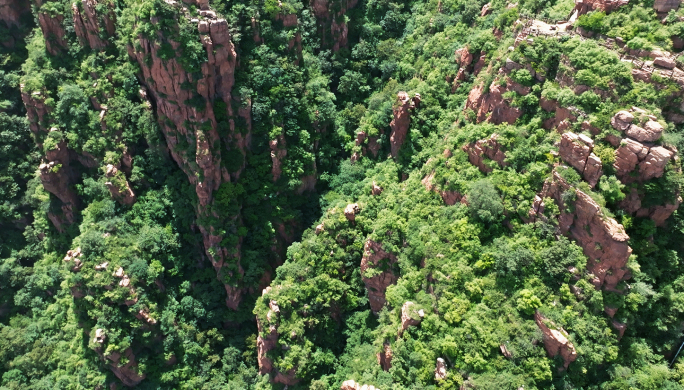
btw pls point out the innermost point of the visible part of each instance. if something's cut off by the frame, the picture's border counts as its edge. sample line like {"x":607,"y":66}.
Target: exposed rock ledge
{"x":556,"y":340}
{"x":602,"y":239}
{"x":576,"y":150}
{"x":490,"y":148}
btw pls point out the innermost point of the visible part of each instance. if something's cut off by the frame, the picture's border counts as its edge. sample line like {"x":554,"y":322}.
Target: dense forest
{"x":341,"y":194}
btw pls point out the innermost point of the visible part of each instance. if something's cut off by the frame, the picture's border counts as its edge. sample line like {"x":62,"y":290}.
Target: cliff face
{"x":490,"y":105}
{"x":52,"y":28}
{"x":576,"y":150}
{"x":188,"y":121}
{"x":400,"y":123}
{"x":12,"y":11}
{"x":381,"y":263}
{"x":601,"y":238}
{"x":332,"y":27}
{"x":87,"y":27}
{"x":489,"y":148}
{"x":556,"y":340}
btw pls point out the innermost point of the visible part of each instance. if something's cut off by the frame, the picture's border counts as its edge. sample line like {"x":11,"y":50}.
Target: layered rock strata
{"x":576,"y":150}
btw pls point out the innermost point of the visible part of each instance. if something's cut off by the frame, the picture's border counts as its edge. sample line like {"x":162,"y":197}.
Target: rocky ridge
{"x":186,"y":123}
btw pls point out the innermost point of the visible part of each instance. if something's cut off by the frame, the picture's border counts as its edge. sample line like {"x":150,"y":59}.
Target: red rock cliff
{"x":332,"y":27}
{"x":52,"y":28}
{"x":86,"y":23}
{"x":380,"y":262}
{"x":187,"y":117}
{"x":601,"y":238}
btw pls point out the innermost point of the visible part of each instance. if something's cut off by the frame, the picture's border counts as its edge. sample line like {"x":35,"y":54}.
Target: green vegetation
{"x":138,"y":285}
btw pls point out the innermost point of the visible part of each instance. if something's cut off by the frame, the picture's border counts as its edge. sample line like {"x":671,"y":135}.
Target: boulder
{"x":627,"y":157}
{"x":410,"y":316}
{"x":651,"y":131}
{"x":556,"y":340}
{"x":486,"y":10}
{"x":376,"y":190}
{"x":665,"y":6}
{"x":654,"y":164}
{"x":440,"y":370}
{"x":350,"y":211}
{"x":622,"y":120}
{"x":665,"y":62}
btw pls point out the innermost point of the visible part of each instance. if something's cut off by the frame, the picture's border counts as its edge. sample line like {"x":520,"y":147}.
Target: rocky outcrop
{"x":401,"y":121}
{"x":556,"y":340}
{"x":332,"y":27}
{"x":278,"y":153}
{"x":128,"y":372}
{"x":12,"y":11}
{"x":576,"y":150}
{"x":489,"y":148}
{"x":665,"y":6}
{"x":385,"y":357}
{"x":601,"y":238}
{"x":37,"y":111}
{"x":449,"y":197}
{"x":185,"y":107}
{"x":651,"y":161}
{"x":52,"y":28}
{"x":585,"y":6}
{"x":267,"y":341}
{"x":491,"y":106}
{"x":118,"y":186}
{"x":410,"y":316}
{"x":650,"y":132}
{"x":659,"y":214}
{"x":440,"y":370}
{"x":350,"y":211}
{"x":86,"y":24}
{"x":382,"y":264}
{"x":562,"y":116}
{"x":634,"y":150}
{"x":352,"y":385}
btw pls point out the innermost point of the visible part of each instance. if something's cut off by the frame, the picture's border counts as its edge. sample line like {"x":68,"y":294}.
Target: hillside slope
{"x":329,"y":195}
